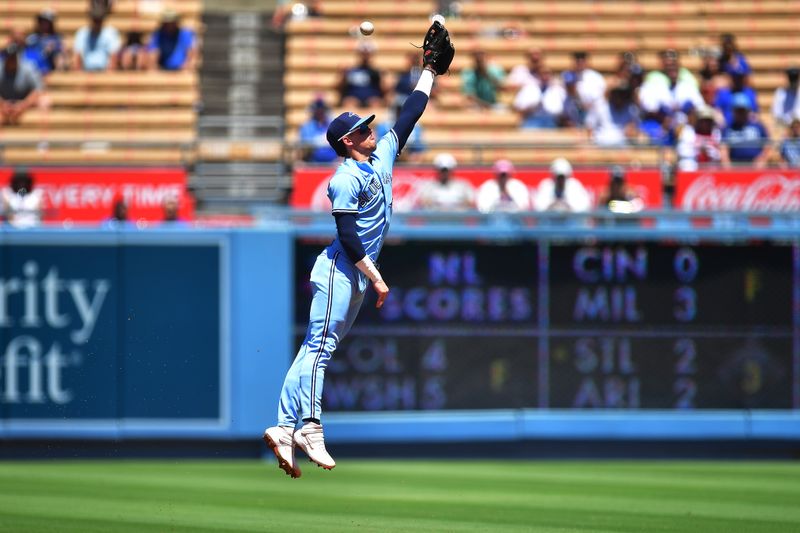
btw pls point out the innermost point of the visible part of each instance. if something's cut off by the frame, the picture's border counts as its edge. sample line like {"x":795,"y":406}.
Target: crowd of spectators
{"x":27,"y":60}
{"x":713,"y":119}
{"x":708,"y":117}
{"x":559,"y":192}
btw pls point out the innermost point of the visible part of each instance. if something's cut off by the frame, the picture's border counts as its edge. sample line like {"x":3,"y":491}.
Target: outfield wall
{"x":662,"y":332}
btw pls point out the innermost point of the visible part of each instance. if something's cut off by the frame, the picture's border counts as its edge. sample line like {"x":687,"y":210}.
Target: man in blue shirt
{"x":361,"y":85}
{"x":314,"y":145}
{"x":171,"y":46}
{"x":43,"y":46}
{"x":361,"y":197}
{"x":725,"y":95}
{"x":745,"y":138}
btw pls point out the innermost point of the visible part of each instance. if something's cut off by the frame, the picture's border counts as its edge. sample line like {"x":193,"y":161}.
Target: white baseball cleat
{"x":279,"y":439}
{"x":310,"y":439}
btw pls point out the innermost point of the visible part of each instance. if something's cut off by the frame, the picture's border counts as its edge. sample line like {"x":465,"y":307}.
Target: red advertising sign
{"x":310,"y":184}
{"x":84,"y":195}
{"x":738,"y":190}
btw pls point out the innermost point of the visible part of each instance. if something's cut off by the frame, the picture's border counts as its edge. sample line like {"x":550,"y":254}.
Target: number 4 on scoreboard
{"x":435,"y":357}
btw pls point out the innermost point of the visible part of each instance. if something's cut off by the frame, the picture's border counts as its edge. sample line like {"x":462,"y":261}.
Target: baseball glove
{"x":438,"y":51}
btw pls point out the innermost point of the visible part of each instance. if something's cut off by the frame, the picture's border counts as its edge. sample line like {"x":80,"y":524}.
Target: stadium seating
{"x":108,"y":117}
{"x":318,"y":48}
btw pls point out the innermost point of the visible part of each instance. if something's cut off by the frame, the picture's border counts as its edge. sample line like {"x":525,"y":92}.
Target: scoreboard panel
{"x":637,"y":326}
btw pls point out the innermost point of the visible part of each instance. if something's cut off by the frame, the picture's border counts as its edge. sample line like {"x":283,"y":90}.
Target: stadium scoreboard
{"x":601,"y":325}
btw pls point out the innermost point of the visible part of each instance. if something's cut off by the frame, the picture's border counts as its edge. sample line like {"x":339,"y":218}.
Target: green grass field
{"x":386,"y":496}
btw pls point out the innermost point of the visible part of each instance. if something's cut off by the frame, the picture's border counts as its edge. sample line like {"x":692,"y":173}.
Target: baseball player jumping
{"x":361,"y":195}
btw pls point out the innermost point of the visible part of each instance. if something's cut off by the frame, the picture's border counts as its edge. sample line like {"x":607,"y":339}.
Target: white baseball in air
{"x":366,"y":28}
{"x":437,"y":18}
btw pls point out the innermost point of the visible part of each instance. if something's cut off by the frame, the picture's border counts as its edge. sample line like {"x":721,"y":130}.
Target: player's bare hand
{"x":382,"y":289}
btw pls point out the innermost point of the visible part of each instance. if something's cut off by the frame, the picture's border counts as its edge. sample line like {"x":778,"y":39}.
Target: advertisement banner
{"x":738,"y":190}
{"x":110,"y":332}
{"x":310,"y":184}
{"x":87,"y":195}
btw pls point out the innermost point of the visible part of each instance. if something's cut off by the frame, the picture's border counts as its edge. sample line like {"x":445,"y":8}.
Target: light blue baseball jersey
{"x":365,"y":189}
{"x":338,"y":287}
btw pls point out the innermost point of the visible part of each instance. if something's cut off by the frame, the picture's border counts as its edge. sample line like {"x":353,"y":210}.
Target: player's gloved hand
{"x":382,"y":289}
{"x":438,"y":51}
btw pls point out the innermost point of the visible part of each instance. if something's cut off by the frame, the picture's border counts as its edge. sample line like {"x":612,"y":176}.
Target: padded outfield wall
{"x":609,"y":332}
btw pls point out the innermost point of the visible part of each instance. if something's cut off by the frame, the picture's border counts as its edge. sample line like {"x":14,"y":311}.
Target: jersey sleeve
{"x":343,"y":191}
{"x":387,"y":148}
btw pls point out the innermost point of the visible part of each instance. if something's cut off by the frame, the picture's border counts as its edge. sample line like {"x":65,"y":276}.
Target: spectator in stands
{"x":668,"y":91}
{"x":171,"y":212}
{"x":708,"y":90}
{"x":286,"y":10}
{"x":20,"y":85}
{"x":133,"y":55}
{"x":731,"y":60}
{"x":446,"y":193}
{"x":415,"y":145}
{"x":698,"y":141}
{"x":709,"y":63}
{"x":105,"y":5}
{"x":620,"y":198}
{"x":43,"y":47}
{"x":709,"y":138}
{"x":670,"y":61}
{"x":574,"y":113}
{"x":725,"y":95}
{"x":658,"y":126}
{"x":616,"y":122}
{"x":170,"y":208}
{"x":16,"y":37}
{"x":21,"y":203}
{"x":527,"y":74}
{"x":361,"y":85}
{"x":561,"y":191}
{"x":408,"y":78}
{"x":786,"y":101}
{"x":590,"y":84}
{"x":745,"y":139}
{"x":503,"y":192}
{"x":629,"y":75}
{"x":119,"y":213}
{"x":96,"y":45}
{"x":172,"y":47}
{"x":481,"y":82}
{"x":541,"y":104}
{"x":684,"y":137}
{"x":790,"y":147}
{"x":315,"y":147}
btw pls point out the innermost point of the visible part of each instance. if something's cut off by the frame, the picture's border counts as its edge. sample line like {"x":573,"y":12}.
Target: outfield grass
{"x":386,"y":496}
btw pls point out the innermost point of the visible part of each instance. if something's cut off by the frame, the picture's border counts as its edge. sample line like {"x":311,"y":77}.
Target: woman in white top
{"x":503,"y":192}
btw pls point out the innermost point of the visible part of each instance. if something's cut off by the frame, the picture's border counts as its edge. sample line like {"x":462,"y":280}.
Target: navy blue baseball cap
{"x":343,"y":125}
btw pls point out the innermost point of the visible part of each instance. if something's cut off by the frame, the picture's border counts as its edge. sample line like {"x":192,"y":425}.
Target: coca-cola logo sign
{"x":738,"y":191}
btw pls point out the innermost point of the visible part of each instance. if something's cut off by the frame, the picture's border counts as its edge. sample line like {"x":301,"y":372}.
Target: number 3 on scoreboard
{"x":685,"y":304}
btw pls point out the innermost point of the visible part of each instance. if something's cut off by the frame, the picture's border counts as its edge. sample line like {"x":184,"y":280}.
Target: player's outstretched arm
{"x":348,"y":236}
{"x":437,"y":55}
